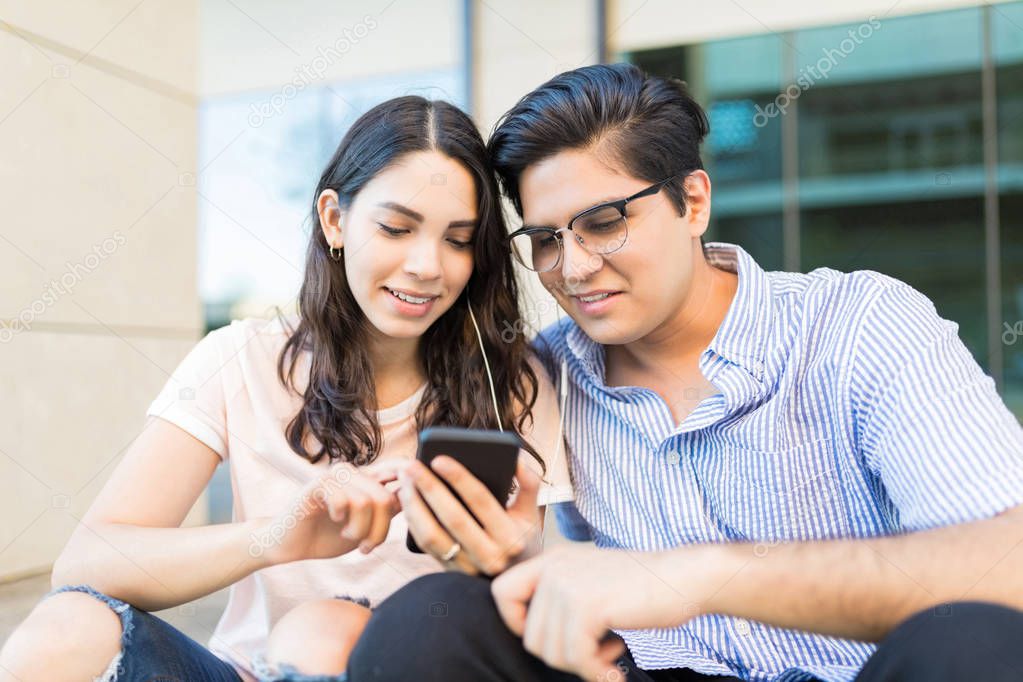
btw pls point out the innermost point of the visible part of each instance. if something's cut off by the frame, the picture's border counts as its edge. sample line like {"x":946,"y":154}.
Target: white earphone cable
{"x":486,"y":364}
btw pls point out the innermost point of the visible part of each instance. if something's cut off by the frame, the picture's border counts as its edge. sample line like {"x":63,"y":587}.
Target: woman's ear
{"x":697,"y":216}
{"x":329,"y":209}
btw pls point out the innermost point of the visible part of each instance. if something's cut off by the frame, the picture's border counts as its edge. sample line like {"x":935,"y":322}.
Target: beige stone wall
{"x":97,"y":249}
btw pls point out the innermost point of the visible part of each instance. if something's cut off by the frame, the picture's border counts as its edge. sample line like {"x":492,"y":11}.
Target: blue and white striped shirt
{"x":847,"y":408}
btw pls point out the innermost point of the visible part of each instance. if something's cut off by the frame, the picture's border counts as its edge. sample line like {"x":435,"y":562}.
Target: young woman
{"x":315,"y":414}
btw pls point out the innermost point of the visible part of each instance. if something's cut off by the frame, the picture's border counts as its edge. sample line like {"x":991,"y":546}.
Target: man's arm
{"x":563,"y":602}
{"x":859,"y":588}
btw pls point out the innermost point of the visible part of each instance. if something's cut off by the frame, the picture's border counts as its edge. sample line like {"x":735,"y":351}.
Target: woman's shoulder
{"x":256,"y":334}
{"x":246,"y":349}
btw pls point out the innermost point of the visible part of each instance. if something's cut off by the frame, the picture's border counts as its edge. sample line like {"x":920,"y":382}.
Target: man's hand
{"x":502,"y":536}
{"x":565,"y":602}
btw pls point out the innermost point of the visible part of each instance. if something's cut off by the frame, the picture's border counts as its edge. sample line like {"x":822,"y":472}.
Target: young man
{"x":780,"y":470}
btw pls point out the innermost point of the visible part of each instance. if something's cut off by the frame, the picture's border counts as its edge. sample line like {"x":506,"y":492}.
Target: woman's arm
{"x":129,"y":544}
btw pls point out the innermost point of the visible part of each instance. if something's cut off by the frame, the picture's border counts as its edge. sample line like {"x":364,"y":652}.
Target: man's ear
{"x":697,"y":216}
{"x":329,"y":209}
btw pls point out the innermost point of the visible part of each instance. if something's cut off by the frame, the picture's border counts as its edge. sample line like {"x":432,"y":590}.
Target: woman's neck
{"x":397,"y":371}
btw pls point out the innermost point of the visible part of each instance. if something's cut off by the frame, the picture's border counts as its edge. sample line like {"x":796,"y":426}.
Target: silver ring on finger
{"x":452,"y":553}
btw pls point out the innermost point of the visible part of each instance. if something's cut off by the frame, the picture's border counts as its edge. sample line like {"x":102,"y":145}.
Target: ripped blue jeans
{"x":153,"y":650}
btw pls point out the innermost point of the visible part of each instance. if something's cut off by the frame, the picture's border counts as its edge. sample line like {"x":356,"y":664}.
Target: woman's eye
{"x":393,"y":231}
{"x":458,"y":244}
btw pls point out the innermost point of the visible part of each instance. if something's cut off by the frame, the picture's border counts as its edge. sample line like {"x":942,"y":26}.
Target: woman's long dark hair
{"x":339,"y":402}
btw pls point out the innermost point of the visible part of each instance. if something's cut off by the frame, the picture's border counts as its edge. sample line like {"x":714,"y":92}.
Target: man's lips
{"x":594,"y":295}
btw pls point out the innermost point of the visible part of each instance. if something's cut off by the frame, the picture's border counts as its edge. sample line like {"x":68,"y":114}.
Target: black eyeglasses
{"x":600,"y":229}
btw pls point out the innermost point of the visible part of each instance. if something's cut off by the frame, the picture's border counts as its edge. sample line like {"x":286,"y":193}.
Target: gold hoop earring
{"x":336,"y":258}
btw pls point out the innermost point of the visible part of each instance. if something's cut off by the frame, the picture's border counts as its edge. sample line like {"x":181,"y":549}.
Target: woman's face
{"x":648,"y":279}
{"x":407,"y":239}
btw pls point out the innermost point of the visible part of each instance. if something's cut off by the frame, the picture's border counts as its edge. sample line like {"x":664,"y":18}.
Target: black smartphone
{"x":491,"y":456}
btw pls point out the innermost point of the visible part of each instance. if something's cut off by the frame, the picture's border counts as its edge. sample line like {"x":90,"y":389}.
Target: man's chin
{"x":609,"y":332}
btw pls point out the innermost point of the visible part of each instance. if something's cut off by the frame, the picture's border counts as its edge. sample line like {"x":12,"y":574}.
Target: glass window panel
{"x":935,"y":246}
{"x":1007,"y":46}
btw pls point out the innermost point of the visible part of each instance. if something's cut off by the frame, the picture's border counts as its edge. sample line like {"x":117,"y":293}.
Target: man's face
{"x":648,"y":278}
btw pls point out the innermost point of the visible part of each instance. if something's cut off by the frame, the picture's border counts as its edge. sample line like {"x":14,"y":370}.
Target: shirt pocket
{"x":769,"y":496}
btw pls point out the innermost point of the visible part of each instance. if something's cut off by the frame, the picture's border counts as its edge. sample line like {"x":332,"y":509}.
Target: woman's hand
{"x":343,"y":508}
{"x":502,"y":536}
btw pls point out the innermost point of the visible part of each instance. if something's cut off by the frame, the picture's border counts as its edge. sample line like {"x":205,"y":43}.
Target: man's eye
{"x":604,"y":226}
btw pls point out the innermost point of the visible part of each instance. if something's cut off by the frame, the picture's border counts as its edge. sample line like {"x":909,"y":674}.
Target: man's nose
{"x":577,"y":263}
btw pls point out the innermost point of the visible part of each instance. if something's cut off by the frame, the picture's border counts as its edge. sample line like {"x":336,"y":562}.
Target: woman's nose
{"x":423,"y":260}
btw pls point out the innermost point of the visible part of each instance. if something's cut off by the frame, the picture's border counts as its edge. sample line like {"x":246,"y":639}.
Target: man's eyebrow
{"x":603,"y":202}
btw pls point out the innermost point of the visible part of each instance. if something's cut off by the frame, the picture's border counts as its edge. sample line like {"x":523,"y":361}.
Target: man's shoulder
{"x":555,"y":336}
{"x":551,"y":344}
{"x":826,"y":292}
{"x":859,"y":316}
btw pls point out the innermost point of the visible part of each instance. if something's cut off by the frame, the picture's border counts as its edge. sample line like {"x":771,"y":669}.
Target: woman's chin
{"x":398,"y":327}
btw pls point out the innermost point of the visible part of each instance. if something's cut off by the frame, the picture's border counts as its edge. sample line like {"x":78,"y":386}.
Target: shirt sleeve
{"x":194,"y":398}
{"x":543,"y":431}
{"x":929,"y":422}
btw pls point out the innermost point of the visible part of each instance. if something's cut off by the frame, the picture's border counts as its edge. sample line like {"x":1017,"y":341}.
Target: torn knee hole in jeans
{"x":123,"y":611}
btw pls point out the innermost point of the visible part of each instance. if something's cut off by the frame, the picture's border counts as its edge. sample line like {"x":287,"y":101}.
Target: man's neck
{"x":677,"y":344}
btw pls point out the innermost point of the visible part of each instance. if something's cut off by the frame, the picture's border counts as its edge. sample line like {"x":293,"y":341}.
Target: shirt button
{"x":673,"y":458}
{"x":742,"y":627}
{"x":758,"y":367}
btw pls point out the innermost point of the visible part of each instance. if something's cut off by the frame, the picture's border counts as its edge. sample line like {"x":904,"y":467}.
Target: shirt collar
{"x":743,"y":334}
{"x":742,"y":337}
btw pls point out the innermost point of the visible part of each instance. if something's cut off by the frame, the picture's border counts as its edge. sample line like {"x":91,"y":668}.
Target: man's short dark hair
{"x":648,"y":124}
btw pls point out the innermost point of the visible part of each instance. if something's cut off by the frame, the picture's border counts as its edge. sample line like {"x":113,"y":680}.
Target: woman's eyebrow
{"x":418,"y":217}
{"x":404,"y":210}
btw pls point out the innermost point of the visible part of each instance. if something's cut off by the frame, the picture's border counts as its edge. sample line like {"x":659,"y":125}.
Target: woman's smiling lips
{"x":411,"y":303}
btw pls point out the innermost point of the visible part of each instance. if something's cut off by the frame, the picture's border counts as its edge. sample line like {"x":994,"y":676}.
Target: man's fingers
{"x":512,"y":592}
{"x":603,"y":662}
{"x":611,"y":648}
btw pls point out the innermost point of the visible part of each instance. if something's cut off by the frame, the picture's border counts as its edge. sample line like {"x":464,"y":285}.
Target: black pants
{"x":444,"y":626}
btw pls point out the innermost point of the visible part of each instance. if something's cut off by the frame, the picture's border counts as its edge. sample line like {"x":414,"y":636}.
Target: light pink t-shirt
{"x":226,"y":393}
